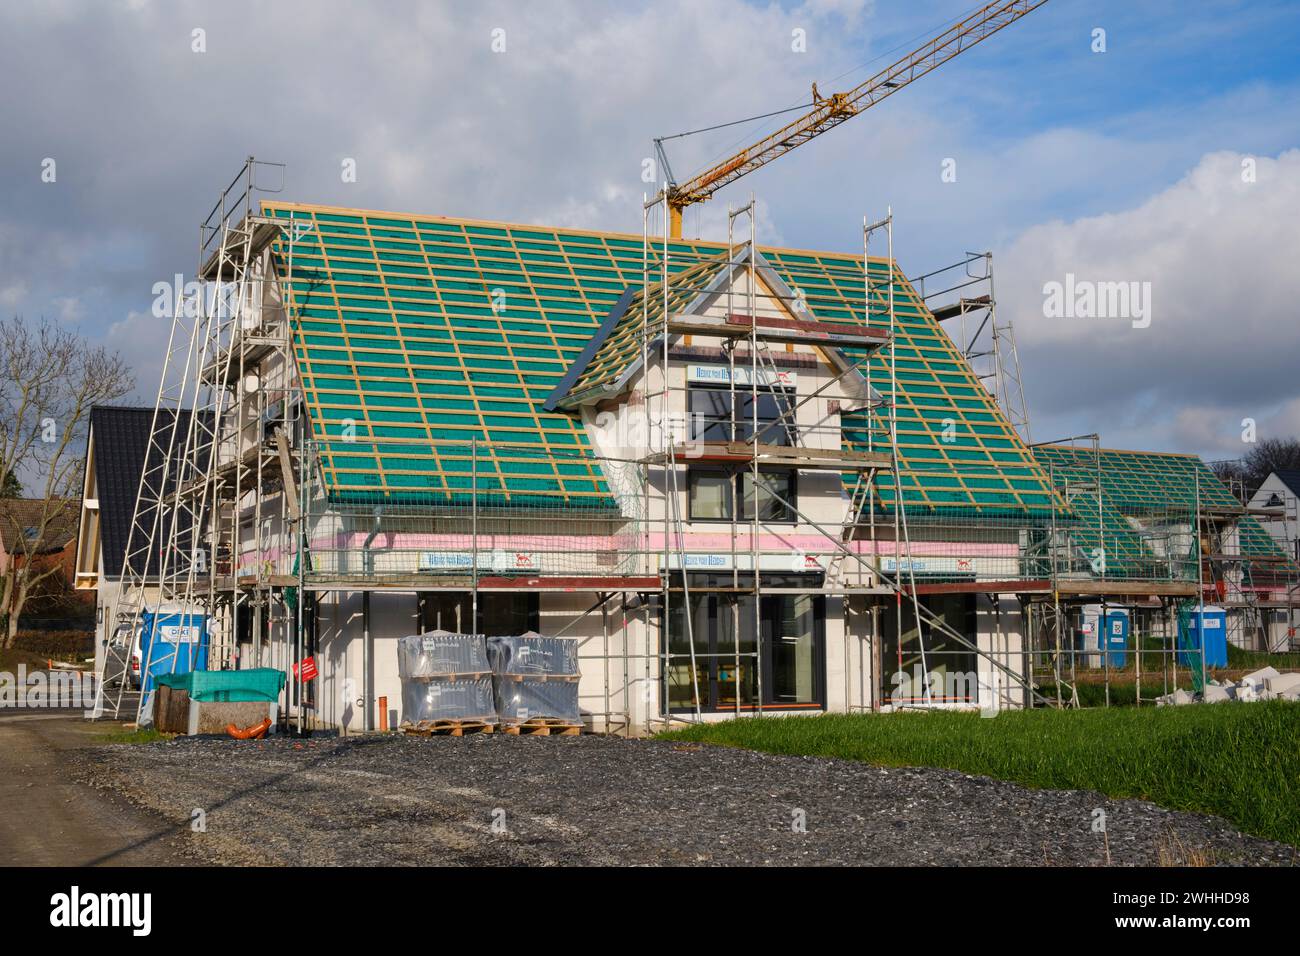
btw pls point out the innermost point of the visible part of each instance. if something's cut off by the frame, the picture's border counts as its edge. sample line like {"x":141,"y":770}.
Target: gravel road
{"x":501,"y":800}
{"x":48,"y":818}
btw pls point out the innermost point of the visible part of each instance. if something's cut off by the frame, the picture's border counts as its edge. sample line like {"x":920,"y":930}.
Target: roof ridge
{"x":561,"y":230}
{"x":1121,"y":451}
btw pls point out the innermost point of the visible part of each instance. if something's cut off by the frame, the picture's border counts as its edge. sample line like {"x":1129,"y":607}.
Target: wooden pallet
{"x":539,"y":677}
{"x":543,"y":727}
{"x":448,"y":727}
{"x":451,"y":677}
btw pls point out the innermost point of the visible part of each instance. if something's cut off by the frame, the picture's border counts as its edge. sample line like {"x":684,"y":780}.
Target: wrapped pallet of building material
{"x":441,"y":654}
{"x":446,"y":681}
{"x":535,"y":678}
{"x":427,"y":702}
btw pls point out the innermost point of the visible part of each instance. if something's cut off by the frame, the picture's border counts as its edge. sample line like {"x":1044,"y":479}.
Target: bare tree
{"x":1244,"y":475}
{"x":49,"y":379}
{"x":1270,"y":455}
{"x":1231,"y":471}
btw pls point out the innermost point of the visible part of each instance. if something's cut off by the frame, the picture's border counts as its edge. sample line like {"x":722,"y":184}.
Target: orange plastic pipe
{"x":255,"y":732}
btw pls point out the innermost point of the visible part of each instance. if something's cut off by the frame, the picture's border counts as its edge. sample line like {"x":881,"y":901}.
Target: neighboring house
{"x":1148,"y":505}
{"x":1277,"y":506}
{"x":116,"y":448}
{"x":42,"y":535}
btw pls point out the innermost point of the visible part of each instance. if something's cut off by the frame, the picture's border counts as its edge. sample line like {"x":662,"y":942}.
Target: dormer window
{"x":714,"y":419}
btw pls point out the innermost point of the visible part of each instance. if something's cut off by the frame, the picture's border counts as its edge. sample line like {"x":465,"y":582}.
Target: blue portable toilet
{"x":1103,"y":630}
{"x":1215,"y":640}
{"x":173,"y":639}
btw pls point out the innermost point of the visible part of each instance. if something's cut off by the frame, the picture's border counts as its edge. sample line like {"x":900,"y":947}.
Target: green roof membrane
{"x":1137,"y":484}
{"x":438,"y":332}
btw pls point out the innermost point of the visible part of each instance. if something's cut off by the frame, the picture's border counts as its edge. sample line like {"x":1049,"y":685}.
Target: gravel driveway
{"x":501,"y":800}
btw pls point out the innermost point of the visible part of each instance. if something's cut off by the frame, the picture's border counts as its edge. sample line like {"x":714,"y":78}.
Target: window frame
{"x":740,"y":426}
{"x":735,"y":482}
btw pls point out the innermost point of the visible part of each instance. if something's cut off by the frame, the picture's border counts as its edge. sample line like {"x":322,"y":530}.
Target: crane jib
{"x":828,"y":112}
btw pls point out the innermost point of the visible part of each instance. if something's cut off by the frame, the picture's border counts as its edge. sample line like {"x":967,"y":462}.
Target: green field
{"x":1241,"y":762}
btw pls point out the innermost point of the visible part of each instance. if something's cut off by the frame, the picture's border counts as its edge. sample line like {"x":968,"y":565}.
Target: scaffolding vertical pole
{"x":473,"y":556}
{"x":303,"y":558}
{"x":730,"y":345}
{"x":755,"y":543}
{"x":1200,"y":576}
{"x":1137,"y":665}
{"x":643,"y":471}
{"x":672,"y":496}
{"x":1103,"y":628}
{"x":1056,"y":595}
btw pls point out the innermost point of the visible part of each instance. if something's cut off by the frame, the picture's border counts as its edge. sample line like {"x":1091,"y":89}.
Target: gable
{"x":121,"y":443}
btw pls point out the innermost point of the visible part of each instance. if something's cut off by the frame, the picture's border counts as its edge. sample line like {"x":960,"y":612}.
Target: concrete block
{"x":213,"y":717}
{"x":176,"y":713}
{"x":1181,"y":697}
{"x":1261,"y":675}
{"x":1291,"y":693}
{"x":1282,"y":683}
{"x":1213,"y":694}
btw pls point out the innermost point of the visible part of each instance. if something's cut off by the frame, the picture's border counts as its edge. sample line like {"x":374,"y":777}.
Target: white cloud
{"x":1223,"y":342}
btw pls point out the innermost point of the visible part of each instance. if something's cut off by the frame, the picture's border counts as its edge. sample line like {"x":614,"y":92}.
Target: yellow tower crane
{"x":830,"y":111}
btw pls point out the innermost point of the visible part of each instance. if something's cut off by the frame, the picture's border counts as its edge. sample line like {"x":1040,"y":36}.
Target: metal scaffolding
{"x":241,"y":523}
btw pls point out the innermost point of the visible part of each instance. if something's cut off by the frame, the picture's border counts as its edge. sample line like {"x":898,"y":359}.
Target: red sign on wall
{"x":309,"y":671}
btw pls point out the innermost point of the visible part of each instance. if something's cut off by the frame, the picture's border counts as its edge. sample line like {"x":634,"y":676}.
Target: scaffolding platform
{"x":772,"y":329}
{"x":962,"y":306}
{"x":1128,"y":588}
{"x":248,"y":351}
{"x":433,"y":582}
{"x":739,"y":452}
{"x":227,"y":260}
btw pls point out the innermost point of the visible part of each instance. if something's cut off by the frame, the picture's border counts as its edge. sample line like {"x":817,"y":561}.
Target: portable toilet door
{"x":1114,"y":636}
{"x":173,"y":640}
{"x":1211,"y":633}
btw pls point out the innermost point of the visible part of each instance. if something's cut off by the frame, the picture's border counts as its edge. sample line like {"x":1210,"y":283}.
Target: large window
{"x":790,"y":665}
{"x":952,"y":666}
{"x":712,"y":418}
{"x":713,"y":494}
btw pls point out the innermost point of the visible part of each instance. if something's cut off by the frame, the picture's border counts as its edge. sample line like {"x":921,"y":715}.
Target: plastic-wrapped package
{"x":445,"y":676}
{"x":535,"y":676}
{"x":520,"y":698}
{"x":440,"y":654}
{"x":440,"y":699}
{"x":532,"y":653}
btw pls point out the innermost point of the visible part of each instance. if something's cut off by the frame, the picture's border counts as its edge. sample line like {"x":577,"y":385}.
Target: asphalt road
{"x":48,"y":818}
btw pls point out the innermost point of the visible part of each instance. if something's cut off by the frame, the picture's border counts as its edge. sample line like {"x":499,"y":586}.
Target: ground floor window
{"x":782,"y":661}
{"x":952,"y":667}
{"x":499,"y":614}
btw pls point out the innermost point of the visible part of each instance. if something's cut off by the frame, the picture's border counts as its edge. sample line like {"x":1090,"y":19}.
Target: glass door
{"x":792,"y":663}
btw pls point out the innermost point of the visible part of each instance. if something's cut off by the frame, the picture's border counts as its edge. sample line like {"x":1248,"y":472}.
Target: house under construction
{"x":750,"y":480}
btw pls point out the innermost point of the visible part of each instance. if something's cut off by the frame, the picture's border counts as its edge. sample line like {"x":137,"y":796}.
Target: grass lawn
{"x":1239,"y":761}
{"x":145,"y":735}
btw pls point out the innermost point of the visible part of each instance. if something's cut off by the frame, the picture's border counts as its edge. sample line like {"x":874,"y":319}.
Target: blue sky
{"x":1121,"y":165}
